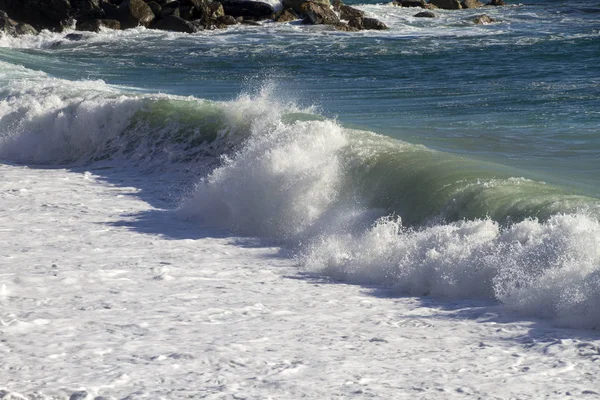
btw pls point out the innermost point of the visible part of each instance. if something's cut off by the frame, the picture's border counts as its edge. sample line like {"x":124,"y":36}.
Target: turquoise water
{"x":368,"y":153}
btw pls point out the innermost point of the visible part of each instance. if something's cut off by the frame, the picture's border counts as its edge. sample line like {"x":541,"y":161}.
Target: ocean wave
{"x":353,"y":204}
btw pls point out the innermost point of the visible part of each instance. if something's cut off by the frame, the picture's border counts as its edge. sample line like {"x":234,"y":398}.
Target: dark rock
{"x":446,"y":4}
{"x":96,"y":25}
{"x":286,"y":15}
{"x":296,"y":5}
{"x":54,"y":10}
{"x":425,"y":14}
{"x":471,"y":4}
{"x":168,"y":10}
{"x":347,"y":12}
{"x":374,"y":24}
{"x":317,"y":14}
{"x":25,"y":29}
{"x":134,"y":13}
{"x":87,"y":9}
{"x":74,"y":37}
{"x":8,"y":26}
{"x":345,"y":27}
{"x":111,"y":24}
{"x":216,"y":9}
{"x":42,"y":14}
{"x":227,"y":20}
{"x":368,"y":24}
{"x":80,"y":395}
{"x":483,"y":19}
{"x":174,"y":24}
{"x":496,"y":3}
{"x":156,"y":8}
{"x":411,"y":3}
{"x":111,"y":10}
{"x":189,"y":12}
{"x":247,"y":9}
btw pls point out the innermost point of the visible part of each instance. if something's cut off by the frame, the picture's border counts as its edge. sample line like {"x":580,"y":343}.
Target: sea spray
{"x":353,"y":204}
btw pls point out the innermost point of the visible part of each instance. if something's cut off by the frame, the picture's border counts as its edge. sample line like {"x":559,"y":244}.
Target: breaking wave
{"x":355,"y":205}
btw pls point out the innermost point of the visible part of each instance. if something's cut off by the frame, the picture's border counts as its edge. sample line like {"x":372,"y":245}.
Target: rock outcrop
{"x":28,"y":16}
{"x":254,"y":10}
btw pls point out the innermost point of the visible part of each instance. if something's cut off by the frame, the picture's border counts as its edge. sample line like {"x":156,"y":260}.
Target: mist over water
{"x":438,"y":158}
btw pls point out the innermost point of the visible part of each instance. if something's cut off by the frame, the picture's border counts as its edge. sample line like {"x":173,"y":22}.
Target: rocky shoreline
{"x":23,"y":17}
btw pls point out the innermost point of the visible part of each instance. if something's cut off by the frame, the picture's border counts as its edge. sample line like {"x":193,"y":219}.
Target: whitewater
{"x":247,"y":234}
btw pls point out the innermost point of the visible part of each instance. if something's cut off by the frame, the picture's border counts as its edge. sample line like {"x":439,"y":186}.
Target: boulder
{"x":347,"y":12}
{"x":87,"y":9}
{"x":317,"y":14}
{"x":496,"y":3}
{"x":96,"y":25}
{"x":8,"y":26}
{"x":227,"y":20}
{"x":156,"y":8}
{"x":425,"y":14}
{"x":169,"y":10}
{"x":111,"y":10}
{"x":54,"y":10}
{"x":174,"y":24}
{"x":134,"y":13}
{"x":483,"y":19}
{"x":471,"y":4}
{"x":345,"y":27}
{"x":367,"y":24}
{"x":296,"y":5}
{"x":446,"y":4}
{"x":42,"y":14}
{"x":248,"y":9}
{"x":286,"y":15}
{"x":25,"y":29}
{"x":216,"y":9}
{"x":411,"y":3}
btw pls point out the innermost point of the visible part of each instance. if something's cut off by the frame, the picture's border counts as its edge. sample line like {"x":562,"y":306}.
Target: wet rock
{"x":74,"y":37}
{"x":471,"y":4}
{"x":296,"y":5}
{"x":54,"y":10}
{"x":367,"y":24}
{"x":96,"y":25}
{"x":88,"y":9}
{"x":8,"y":26}
{"x":25,"y":29}
{"x":111,"y":11}
{"x":156,"y":8}
{"x":286,"y":15}
{"x":216,"y":10}
{"x":174,"y":24}
{"x":317,"y":14}
{"x":42,"y":14}
{"x":345,"y":27}
{"x":446,"y":4}
{"x":347,"y":13}
{"x":425,"y":14}
{"x":496,"y":3}
{"x":411,"y":3}
{"x":80,"y":395}
{"x":248,"y":9}
{"x":169,"y":10}
{"x":134,"y":13}
{"x":227,"y":20}
{"x":483,"y":19}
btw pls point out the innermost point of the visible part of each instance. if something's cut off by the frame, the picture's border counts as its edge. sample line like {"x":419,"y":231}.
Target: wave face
{"x":352,"y":204}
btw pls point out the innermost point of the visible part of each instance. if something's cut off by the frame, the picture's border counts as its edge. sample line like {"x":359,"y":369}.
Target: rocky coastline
{"x":27,"y":17}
